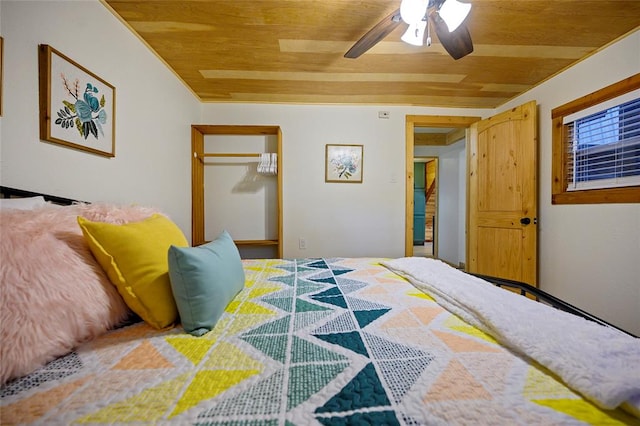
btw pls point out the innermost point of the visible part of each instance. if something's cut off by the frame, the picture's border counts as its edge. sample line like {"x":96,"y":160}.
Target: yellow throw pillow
{"x":134,"y":256}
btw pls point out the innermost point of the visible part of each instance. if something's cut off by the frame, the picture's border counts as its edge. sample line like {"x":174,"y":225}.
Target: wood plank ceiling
{"x":268,"y":51}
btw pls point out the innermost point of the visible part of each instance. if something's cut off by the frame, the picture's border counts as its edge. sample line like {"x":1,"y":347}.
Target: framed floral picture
{"x":77,"y":108}
{"x":343,"y":163}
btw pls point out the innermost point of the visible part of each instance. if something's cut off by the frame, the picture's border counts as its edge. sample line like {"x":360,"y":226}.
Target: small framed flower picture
{"x":77,"y":108}
{"x":343,"y":163}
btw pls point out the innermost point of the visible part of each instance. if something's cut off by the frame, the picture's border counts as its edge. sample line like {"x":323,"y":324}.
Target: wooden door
{"x":502,"y":221}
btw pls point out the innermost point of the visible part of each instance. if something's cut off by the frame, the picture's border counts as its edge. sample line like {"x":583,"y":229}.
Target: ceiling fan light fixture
{"x":413,"y":11}
{"x":415,"y":33}
{"x":453,"y":13}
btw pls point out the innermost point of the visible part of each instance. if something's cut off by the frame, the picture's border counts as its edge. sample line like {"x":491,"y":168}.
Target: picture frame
{"x":77,"y":108}
{"x":343,"y":163}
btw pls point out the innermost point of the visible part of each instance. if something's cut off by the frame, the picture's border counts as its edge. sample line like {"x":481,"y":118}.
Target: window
{"x":596,"y":146}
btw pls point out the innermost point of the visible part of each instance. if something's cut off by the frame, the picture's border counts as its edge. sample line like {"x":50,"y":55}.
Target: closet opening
{"x":237,"y":187}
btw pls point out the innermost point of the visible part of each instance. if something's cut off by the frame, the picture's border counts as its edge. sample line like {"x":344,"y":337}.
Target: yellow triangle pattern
{"x":192,"y":348}
{"x":239,"y":307}
{"x":539,"y":385}
{"x":225,"y":355}
{"x":585,"y":411}
{"x":249,"y":282}
{"x":233,"y":306}
{"x":259,"y":292}
{"x":395,"y":277}
{"x":419,"y":294}
{"x":243,"y":322}
{"x":455,"y":323}
{"x":472,"y":331}
{"x":218,"y":330}
{"x":209,"y":384}
{"x":148,"y":406}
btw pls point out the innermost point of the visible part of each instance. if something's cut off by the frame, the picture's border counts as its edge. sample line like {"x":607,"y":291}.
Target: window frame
{"x":559,"y":158}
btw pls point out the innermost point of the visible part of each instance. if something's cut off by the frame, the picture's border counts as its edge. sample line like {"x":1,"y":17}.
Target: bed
{"x":302,"y":342}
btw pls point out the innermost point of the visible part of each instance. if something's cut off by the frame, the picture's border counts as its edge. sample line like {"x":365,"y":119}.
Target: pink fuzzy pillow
{"x":53,"y":293}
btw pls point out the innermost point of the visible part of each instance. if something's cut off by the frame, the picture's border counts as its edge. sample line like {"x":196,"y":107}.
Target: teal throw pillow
{"x":204,"y":279}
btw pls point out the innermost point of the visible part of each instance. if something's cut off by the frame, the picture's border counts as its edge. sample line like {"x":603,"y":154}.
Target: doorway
{"x":445,"y":131}
{"x":425,"y":197}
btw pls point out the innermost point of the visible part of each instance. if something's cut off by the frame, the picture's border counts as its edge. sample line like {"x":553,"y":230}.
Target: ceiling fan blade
{"x":375,"y":35}
{"x":458,"y":42}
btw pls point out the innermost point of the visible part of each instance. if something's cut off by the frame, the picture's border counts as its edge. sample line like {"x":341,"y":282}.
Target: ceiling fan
{"x":446,"y":17}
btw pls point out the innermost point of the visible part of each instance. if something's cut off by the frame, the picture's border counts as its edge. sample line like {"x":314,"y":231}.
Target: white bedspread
{"x":601,"y":363}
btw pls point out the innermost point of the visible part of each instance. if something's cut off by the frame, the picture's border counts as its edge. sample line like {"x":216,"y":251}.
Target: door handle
{"x":525,"y":220}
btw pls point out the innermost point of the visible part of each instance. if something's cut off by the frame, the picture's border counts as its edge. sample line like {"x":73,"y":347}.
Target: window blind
{"x":603,"y":148}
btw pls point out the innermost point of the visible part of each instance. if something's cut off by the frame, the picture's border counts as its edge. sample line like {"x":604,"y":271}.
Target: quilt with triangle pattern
{"x":333,"y":341}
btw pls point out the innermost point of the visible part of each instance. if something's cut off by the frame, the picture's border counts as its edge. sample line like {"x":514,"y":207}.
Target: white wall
{"x":237,"y":198}
{"x":589,"y":255}
{"x":337,"y":219}
{"x":451,"y":211}
{"x":154,"y":111}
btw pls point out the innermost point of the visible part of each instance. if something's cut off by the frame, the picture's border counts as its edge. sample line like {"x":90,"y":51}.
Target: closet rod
{"x":230,"y":154}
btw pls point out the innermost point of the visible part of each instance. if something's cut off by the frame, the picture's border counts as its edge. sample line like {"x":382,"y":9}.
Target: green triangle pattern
{"x":304,"y":306}
{"x":263,"y":398}
{"x":308,"y":287}
{"x":340,"y":324}
{"x":271,"y":422}
{"x":400,"y":375}
{"x":283,"y":292}
{"x":282,"y":303}
{"x":363,"y":305}
{"x":386,"y":417}
{"x":350,"y":340}
{"x":320,"y":274}
{"x":303,"y":351}
{"x":318,"y":263}
{"x":364,"y":391}
{"x":332,"y":300}
{"x":348,"y":285}
{"x":365,"y":318}
{"x":279,"y":326}
{"x":386,"y":349}
{"x":330,"y":260}
{"x":288,"y":268}
{"x":304,"y":319}
{"x":341,"y":271}
{"x":289,"y":280}
{"x":331,"y":291}
{"x":303,"y":271}
{"x":272,"y":346}
{"x":307,"y":379}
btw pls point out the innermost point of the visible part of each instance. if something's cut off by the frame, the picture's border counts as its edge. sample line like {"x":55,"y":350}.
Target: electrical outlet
{"x":302,"y":244}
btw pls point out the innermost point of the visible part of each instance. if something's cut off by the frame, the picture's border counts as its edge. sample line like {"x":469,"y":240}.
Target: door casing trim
{"x":411,"y":122}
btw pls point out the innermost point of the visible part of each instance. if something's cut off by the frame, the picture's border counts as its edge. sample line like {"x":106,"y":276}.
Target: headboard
{"x":6,"y":192}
